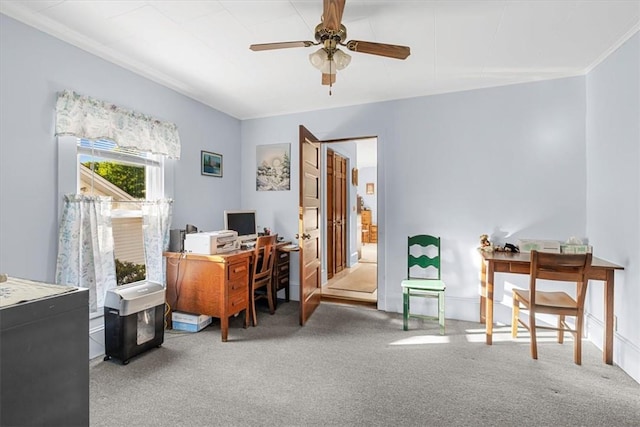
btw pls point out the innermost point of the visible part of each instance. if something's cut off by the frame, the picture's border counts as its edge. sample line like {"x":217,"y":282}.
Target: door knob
{"x":306,"y":236}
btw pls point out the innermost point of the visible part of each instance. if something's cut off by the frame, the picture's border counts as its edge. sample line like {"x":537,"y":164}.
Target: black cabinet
{"x":44,"y":361}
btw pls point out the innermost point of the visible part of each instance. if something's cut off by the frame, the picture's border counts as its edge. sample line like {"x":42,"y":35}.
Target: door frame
{"x":306,"y":309}
{"x":352,"y":215}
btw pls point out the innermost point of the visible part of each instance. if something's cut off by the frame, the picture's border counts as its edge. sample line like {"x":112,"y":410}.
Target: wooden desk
{"x":214,"y":285}
{"x":218,"y":285}
{"x":520,"y":263}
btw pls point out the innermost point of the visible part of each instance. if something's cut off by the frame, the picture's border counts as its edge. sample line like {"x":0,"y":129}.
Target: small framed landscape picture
{"x":273,"y":167}
{"x":211,"y":164}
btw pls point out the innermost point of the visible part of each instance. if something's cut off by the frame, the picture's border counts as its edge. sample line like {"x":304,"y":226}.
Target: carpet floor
{"x":355,"y":366}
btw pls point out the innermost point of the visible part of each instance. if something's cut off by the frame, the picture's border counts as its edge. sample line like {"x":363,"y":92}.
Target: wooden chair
{"x":260,"y":281}
{"x":555,"y":267}
{"x":423,"y":277}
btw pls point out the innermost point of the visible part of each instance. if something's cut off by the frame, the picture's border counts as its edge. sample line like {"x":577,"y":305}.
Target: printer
{"x":211,"y":242}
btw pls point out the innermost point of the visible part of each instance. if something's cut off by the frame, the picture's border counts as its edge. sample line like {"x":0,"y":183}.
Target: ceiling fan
{"x":331,"y":34}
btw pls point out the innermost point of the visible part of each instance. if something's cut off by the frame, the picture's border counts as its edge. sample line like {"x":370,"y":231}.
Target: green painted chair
{"x":423,"y":277}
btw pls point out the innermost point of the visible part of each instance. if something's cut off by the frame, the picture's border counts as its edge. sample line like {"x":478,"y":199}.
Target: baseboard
{"x":353,"y":259}
{"x":96,"y":337}
{"x":626,"y":354}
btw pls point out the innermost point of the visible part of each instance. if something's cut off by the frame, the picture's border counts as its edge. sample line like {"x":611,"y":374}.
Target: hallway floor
{"x":369,"y":256}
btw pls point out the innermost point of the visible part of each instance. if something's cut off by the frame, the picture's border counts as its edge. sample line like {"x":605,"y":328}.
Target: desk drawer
{"x":283,"y":257}
{"x":237,"y":295}
{"x":238,"y":286}
{"x":511,"y":267}
{"x":238,"y":270}
{"x":237,"y":301}
{"x":282,"y":269}
{"x":282,"y":283}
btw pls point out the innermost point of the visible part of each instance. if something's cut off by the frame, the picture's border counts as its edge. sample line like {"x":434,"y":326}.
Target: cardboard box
{"x":189,"y":322}
{"x":528,"y":245}
{"x":575,"y":249}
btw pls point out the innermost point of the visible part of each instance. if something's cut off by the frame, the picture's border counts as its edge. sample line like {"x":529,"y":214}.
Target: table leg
{"x":224,"y":327}
{"x":489,"y":298}
{"x":607,"y":353}
{"x":483,"y":292}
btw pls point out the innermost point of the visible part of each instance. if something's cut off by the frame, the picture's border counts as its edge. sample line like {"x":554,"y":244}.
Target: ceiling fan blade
{"x":328,"y":79}
{"x":332,"y":14}
{"x":280,"y":45}
{"x":382,"y":49}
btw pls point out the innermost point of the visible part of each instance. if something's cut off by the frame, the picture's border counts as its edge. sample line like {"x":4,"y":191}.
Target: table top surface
{"x":525,"y":258}
{"x":223,"y":257}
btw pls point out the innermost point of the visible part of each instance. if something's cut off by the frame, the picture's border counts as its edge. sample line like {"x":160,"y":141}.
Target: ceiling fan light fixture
{"x":329,"y":64}
{"x":330,"y":34}
{"x":319,"y":58}
{"x":329,"y":67}
{"x":341,"y":59}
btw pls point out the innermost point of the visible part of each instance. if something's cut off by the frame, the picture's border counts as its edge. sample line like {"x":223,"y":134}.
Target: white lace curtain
{"x":85,"y":244}
{"x":85,"y":117}
{"x":156,"y":221}
{"x":85,"y":247}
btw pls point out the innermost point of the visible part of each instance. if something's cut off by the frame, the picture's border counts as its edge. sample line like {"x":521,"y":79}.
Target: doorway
{"x":351,"y":240}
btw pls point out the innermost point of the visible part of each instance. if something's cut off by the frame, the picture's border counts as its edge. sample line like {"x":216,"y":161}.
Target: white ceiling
{"x":201,"y":48}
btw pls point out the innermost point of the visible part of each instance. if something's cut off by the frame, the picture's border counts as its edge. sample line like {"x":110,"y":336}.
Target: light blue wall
{"x":33,"y":68}
{"x":613,"y":194}
{"x":365,"y":176}
{"x":507,"y":161}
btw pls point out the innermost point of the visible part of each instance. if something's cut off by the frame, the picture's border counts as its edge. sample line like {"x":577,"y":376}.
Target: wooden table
{"x":520,"y":263}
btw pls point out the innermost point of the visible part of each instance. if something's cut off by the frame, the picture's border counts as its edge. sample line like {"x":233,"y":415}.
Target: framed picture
{"x":272,"y":167}
{"x":370,"y":188}
{"x":210,"y":164}
{"x":354,"y":176}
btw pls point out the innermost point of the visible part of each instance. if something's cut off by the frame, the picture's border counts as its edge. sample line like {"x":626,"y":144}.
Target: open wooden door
{"x":309,"y":217}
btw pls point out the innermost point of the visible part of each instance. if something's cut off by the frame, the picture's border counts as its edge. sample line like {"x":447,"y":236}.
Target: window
{"x":129,"y":177}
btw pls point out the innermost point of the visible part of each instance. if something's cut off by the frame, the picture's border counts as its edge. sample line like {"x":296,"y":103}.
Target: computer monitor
{"x":243,"y":222}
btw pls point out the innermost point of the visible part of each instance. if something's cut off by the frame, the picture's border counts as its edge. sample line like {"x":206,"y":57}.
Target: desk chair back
{"x":423,"y":277}
{"x":260,"y":285}
{"x":554,"y":267}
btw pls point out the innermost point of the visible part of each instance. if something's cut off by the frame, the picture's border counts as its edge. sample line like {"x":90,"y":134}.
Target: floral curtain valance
{"x":90,"y":118}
